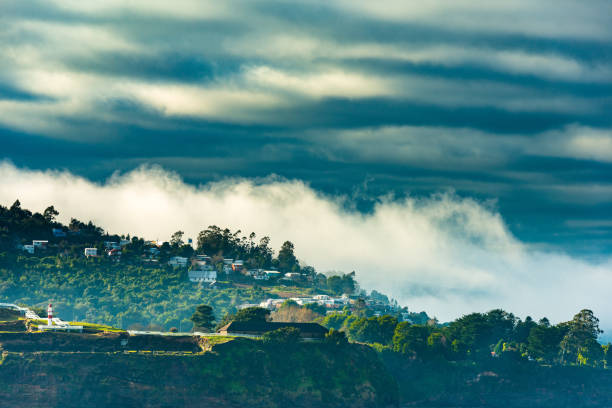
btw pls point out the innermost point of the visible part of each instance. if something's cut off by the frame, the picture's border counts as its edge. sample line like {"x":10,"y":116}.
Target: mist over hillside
{"x":444,"y":254}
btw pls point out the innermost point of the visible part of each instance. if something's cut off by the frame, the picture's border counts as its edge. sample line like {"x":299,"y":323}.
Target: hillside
{"x":134,"y":283}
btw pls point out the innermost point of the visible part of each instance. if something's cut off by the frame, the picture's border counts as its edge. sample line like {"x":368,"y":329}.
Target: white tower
{"x":50,"y":315}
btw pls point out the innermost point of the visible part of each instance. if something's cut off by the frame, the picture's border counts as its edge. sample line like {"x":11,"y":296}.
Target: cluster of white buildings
{"x":37,"y":244}
{"x":179,"y":261}
{"x":203,"y":270}
{"x":111,"y":248}
{"x":208,"y":275}
{"x":332,"y":303}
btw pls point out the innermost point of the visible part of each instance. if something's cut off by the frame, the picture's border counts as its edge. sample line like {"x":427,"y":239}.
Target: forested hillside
{"x":141,"y":290}
{"x":138,"y":288}
{"x":116,"y":294}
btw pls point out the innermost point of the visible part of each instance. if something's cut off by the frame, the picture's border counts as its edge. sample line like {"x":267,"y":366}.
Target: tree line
{"x":478,"y":336}
{"x":19,"y":226}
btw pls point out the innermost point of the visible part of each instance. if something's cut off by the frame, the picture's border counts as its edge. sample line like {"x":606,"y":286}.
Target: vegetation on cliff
{"x":234,"y":374}
{"x":481,"y":337}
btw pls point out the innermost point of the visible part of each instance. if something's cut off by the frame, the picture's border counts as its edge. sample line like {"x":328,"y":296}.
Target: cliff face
{"x":235,"y":374}
{"x":498,"y":383}
{"x":100,"y":342}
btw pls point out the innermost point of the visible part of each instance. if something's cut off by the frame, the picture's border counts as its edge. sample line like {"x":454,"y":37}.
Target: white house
{"x":91,"y":252}
{"x":203,"y":257}
{"x":292,"y":275}
{"x":40,"y":244}
{"x":272,"y":303}
{"x":259,"y":274}
{"x":29,"y":248}
{"x":273,"y":274}
{"x":208,"y":276}
{"x":112,"y":245}
{"x":321,"y":297}
{"x":178,"y":261}
{"x":303,"y":301}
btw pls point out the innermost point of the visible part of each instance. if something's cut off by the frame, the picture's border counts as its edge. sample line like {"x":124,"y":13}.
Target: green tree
{"x":342,"y":284}
{"x":582,"y":330}
{"x":203,"y":317}
{"x":386,"y":328}
{"x":471,"y":333}
{"x":252,"y":314}
{"x":543,"y":342}
{"x":286,"y":258}
{"x":476,"y":334}
{"x":336,"y":337}
{"x":282,"y":336}
{"x":334,"y":320}
{"x":176,"y":240}
{"x":522,"y":329}
{"x":249,"y":314}
{"x":50,"y":213}
{"x":591,"y":353}
{"x":289,"y":303}
{"x":436,"y":343}
{"x":411,"y":339}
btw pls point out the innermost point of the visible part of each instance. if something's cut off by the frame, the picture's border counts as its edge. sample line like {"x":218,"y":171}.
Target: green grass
{"x":214,"y":340}
{"x":293,"y":291}
{"x":87,"y":327}
{"x":92,"y":327}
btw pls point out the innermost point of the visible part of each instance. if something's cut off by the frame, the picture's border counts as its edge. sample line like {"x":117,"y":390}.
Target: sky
{"x":429,"y":132}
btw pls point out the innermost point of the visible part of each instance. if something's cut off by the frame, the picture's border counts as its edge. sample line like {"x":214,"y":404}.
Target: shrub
{"x":284,"y":335}
{"x":336,"y":337}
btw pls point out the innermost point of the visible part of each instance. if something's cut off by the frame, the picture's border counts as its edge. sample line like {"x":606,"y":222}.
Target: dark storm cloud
{"x":491,"y":101}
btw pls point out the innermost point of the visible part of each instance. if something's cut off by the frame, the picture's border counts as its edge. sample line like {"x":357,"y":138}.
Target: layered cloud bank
{"x":503,"y":100}
{"x":444,"y":254}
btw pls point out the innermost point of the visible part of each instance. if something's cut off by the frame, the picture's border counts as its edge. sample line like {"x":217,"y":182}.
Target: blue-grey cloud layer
{"x":498,"y":101}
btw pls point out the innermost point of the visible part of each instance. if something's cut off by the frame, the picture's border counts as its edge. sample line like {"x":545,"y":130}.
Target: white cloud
{"x":443,"y":254}
{"x":444,"y":147}
{"x":423,"y":146}
{"x":279,"y":64}
{"x":514,"y":60}
{"x":545,"y":18}
{"x":184,"y":9}
{"x":229,"y":103}
{"x":573,"y":141}
{"x":330,"y":83}
{"x":587,"y":143}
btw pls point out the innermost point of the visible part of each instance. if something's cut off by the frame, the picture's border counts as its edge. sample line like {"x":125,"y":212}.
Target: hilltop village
{"x":233,"y":270}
